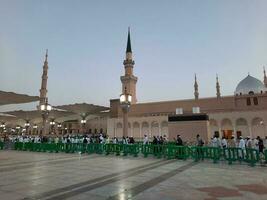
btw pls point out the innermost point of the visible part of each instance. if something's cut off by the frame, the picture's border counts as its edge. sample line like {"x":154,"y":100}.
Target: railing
{"x":169,"y":151}
{"x":1,"y":145}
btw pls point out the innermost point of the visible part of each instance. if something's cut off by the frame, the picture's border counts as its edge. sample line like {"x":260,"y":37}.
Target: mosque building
{"x":243,"y":113}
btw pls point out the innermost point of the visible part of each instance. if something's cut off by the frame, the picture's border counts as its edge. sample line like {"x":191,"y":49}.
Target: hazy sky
{"x":171,"y":40}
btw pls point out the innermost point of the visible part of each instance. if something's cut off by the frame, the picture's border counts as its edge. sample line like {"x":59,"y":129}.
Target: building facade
{"x":244,"y":113}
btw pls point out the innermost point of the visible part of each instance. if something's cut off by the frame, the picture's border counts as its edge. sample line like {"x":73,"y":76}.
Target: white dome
{"x":250,"y":85}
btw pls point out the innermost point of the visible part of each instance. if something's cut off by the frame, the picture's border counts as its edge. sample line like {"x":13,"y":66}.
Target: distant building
{"x":244,"y":113}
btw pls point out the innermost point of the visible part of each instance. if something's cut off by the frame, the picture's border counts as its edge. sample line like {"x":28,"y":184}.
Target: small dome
{"x":250,"y":85}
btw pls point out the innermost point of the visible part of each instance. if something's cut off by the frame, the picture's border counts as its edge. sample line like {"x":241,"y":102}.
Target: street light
{"x":45,"y":109}
{"x":59,"y":126}
{"x":125,"y":101}
{"x":18,"y":129}
{"x":2,"y":127}
{"x":52,"y":124}
{"x":27,"y":125}
{"x":83,"y":122}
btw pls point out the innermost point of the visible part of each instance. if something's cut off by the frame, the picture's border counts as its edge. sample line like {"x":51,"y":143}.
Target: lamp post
{"x":125,"y":101}
{"x":83,"y":122}
{"x":34,"y":128}
{"x":2,"y":127}
{"x":18,"y":129}
{"x":27,"y":125}
{"x":52,"y":124}
{"x":59,"y":126}
{"x":45,"y":109}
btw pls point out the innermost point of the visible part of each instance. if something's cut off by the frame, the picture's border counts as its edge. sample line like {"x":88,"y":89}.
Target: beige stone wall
{"x":189,"y":129}
{"x":139,"y":126}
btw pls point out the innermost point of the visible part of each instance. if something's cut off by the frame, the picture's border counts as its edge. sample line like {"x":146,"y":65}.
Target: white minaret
{"x":129,"y":80}
{"x":264,"y":77}
{"x":218,"y":88}
{"x":43,"y":90}
{"x":196,"y":88}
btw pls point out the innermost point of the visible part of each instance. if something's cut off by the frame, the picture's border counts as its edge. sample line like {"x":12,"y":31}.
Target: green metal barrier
{"x":148,"y":149}
{"x":1,"y":145}
{"x":197,"y":153}
{"x":179,"y":152}
{"x":233,"y":154}
{"x":252,"y":156}
{"x":131,"y":149}
{"x":201,"y":153}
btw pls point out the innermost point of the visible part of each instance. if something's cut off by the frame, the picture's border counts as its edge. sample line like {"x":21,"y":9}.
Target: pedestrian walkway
{"x":37,"y":175}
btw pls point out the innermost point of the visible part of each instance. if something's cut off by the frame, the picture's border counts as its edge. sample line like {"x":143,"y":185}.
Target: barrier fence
{"x":231,"y":155}
{"x":1,"y":145}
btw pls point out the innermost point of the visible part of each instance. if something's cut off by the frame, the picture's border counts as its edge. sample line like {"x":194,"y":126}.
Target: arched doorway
{"x":136,"y":130}
{"x":164,"y":128}
{"x":145,"y":129}
{"x":118,"y":132}
{"x":227,"y":128}
{"x":242,"y":127}
{"x":258,"y":127}
{"x":155,"y":128}
{"x":214,"y":128}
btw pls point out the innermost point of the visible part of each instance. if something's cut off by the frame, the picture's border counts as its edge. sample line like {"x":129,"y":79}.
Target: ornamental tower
{"x":129,"y":80}
{"x":218,"y":88}
{"x":43,"y":90}
{"x":264,"y":77}
{"x":196,"y":93}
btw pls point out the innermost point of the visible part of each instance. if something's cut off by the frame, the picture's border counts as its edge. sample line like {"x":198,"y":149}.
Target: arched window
{"x":248,"y":102}
{"x":255,"y":100}
{"x":251,"y":93}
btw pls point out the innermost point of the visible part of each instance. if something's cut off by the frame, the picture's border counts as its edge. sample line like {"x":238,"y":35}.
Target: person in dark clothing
{"x":155,"y":140}
{"x":261,"y":145}
{"x":199,"y":143}
{"x":179,"y":141}
{"x":84,"y":140}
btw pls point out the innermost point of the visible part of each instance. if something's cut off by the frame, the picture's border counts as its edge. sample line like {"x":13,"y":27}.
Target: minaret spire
{"x":43,"y":90}
{"x":218,"y":90}
{"x":129,"y":47}
{"x":264,"y":77}
{"x":196,"y":93}
{"x":46,"y":55}
{"x":129,"y":80}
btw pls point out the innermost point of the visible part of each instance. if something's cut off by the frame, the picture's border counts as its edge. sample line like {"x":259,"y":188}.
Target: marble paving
{"x":51,"y":176}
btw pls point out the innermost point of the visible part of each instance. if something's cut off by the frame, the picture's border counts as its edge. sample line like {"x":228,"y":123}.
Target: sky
{"x":171,"y":41}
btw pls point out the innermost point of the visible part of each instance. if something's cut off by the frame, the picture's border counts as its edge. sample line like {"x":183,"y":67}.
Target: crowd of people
{"x":255,"y":143}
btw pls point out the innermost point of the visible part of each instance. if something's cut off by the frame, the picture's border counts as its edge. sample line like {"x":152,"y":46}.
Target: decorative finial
{"x":264,"y":77}
{"x":196,"y":93}
{"x":129,"y":48}
{"x":218,"y":90}
{"x":46,"y":55}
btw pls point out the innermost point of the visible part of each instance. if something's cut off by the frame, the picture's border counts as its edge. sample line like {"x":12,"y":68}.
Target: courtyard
{"x":31,"y":175}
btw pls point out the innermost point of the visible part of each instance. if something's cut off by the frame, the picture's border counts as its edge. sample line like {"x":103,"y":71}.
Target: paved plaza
{"x":29,"y":175}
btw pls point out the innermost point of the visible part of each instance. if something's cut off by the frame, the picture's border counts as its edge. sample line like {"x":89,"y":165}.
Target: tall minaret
{"x":129,"y":80}
{"x":43,"y":90}
{"x":196,"y":88}
{"x":264,"y":78}
{"x":218,"y":90}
